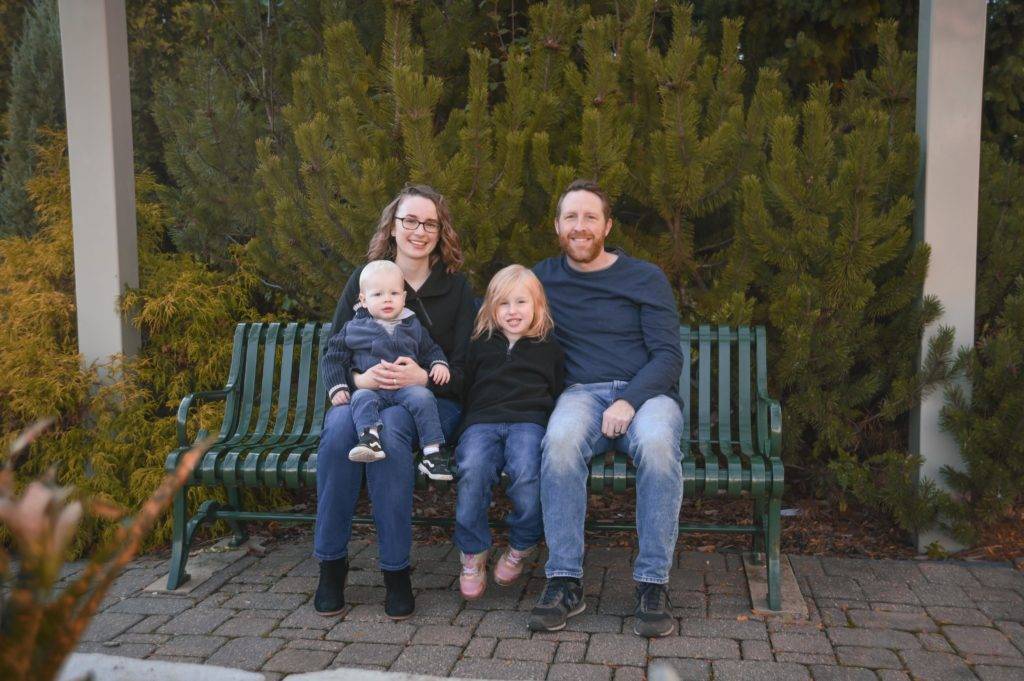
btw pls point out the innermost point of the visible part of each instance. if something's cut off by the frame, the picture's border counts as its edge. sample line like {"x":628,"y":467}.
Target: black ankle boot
{"x":330,"y":591}
{"x":398,"y":599}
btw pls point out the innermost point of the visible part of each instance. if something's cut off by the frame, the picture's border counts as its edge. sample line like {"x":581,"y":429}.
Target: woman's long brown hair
{"x":448,"y":249}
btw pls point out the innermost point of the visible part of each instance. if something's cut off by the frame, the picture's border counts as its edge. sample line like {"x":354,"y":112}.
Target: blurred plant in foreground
{"x":38,"y":627}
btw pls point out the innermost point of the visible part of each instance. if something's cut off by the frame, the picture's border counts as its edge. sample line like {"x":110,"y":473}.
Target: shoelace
{"x":514,"y":557}
{"x":470,"y":569}
{"x":552,"y":592}
{"x":651,"y":596}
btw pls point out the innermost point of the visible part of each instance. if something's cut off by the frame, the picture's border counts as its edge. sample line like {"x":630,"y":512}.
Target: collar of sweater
{"x":438,"y":283}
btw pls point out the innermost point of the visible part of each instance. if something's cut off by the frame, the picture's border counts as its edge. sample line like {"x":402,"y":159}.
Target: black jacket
{"x":512,"y":385}
{"x":443,"y":305}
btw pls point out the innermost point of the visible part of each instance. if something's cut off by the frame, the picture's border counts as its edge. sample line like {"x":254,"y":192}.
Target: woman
{"x":415,"y":231}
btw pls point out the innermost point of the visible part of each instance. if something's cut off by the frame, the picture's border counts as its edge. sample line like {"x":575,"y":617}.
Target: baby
{"x":383,"y":329}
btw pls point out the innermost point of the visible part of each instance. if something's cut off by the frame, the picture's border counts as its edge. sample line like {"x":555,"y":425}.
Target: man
{"x":616,"y":319}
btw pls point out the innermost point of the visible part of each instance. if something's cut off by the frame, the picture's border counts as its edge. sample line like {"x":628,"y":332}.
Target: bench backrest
{"x":277,"y":388}
{"x":279,"y":397}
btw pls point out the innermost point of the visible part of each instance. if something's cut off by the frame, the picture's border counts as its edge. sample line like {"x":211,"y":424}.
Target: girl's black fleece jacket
{"x":443,"y":305}
{"x":512,"y":385}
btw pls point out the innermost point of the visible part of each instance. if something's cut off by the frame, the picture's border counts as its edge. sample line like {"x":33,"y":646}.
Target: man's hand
{"x":340,"y":398}
{"x":616,"y":419}
{"x":439,"y":374}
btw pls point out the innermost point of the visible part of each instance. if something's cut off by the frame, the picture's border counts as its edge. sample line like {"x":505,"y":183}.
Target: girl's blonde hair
{"x":501,"y":287}
{"x":448,"y":249}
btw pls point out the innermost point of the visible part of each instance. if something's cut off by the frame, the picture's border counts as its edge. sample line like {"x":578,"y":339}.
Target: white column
{"x":950,"y":65}
{"x":94,"y":44}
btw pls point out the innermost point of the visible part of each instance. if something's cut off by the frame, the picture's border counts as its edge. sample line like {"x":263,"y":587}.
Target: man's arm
{"x":558,"y":375}
{"x":659,"y":322}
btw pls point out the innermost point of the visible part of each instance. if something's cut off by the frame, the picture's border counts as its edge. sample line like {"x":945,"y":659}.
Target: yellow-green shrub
{"x":111,"y":440}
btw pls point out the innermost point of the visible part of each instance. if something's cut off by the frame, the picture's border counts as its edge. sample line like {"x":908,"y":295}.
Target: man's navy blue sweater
{"x":616,"y":324}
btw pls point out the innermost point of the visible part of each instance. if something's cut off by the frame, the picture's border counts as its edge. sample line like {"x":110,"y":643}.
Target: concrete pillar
{"x":94,"y":45}
{"x":950,"y":65}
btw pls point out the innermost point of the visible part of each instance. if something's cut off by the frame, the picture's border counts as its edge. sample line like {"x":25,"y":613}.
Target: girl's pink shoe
{"x":510,"y":566}
{"x":473,"y":579}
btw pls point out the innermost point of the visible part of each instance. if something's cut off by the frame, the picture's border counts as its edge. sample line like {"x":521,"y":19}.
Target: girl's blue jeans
{"x":389,"y":481}
{"x":483,"y":452}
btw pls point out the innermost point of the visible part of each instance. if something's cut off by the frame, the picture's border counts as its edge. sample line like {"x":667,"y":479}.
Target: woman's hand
{"x":402,"y":373}
{"x":373,"y":378}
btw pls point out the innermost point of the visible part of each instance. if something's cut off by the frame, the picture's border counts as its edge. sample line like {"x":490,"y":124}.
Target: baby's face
{"x":383,"y":295}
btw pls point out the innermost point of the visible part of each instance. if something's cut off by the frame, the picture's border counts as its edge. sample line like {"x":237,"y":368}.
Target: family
{"x":576,"y":357}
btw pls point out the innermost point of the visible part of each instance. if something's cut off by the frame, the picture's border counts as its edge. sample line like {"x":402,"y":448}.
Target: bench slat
{"x":704,"y":411}
{"x":746,"y":439}
{"x":733,"y":464}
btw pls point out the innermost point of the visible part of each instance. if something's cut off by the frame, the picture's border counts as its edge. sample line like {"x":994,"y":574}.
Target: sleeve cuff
{"x":336,"y":389}
{"x":438,"y":361}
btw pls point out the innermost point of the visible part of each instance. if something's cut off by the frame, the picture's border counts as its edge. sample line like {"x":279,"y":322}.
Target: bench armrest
{"x":771,"y":442}
{"x":186,"y":405}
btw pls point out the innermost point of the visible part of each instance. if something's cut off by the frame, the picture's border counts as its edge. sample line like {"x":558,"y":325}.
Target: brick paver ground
{"x":870,"y":620}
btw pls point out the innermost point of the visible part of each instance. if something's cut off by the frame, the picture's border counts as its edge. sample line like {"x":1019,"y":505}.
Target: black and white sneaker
{"x":368,"y":449}
{"x":561,"y":599}
{"x":653,"y":611}
{"x":435,"y":466}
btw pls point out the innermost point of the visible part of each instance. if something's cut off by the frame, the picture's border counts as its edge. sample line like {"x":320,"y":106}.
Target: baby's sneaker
{"x":434,"y":465}
{"x":510,"y":565}
{"x":473,"y":579}
{"x":368,"y":449}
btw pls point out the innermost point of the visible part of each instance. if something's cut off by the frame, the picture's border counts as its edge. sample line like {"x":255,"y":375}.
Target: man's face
{"x":582,"y":226}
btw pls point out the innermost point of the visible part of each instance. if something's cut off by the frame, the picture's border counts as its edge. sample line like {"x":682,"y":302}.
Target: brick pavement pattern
{"x":870,"y":620}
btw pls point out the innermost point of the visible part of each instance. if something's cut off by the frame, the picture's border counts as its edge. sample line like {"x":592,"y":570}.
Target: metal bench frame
{"x":734,"y":451}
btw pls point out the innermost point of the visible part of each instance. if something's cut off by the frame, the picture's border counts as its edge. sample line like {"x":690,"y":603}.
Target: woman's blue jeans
{"x":389,"y":481}
{"x":484,"y":451}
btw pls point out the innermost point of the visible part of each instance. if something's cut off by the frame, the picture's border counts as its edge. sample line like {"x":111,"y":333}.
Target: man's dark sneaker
{"x":330,"y":590}
{"x":368,"y":449}
{"x":398,"y":599}
{"x":435,"y":466}
{"x":562,"y":599}
{"x":653,"y":611}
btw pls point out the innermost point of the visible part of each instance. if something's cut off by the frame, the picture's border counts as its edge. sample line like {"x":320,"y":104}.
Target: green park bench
{"x":274,"y":406}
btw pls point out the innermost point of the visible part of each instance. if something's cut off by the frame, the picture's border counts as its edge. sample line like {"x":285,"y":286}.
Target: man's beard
{"x":581,"y":253}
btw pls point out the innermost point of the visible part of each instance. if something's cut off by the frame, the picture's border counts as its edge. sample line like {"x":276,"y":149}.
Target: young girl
{"x":513,"y":374}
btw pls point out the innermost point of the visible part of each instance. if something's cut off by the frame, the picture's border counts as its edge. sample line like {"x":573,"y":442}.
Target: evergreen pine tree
{"x":11,"y":13}
{"x":985,"y":420}
{"x":824,"y":247}
{"x":36,"y":99}
{"x":227,"y":92}
{"x":665,"y":130}
{"x":363,"y":127}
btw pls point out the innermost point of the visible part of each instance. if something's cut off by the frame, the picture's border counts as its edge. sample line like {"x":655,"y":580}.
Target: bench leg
{"x":237,"y":527}
{"x":177,"y":576}
{"x":774,"y":550}
{"x":761,"y":523}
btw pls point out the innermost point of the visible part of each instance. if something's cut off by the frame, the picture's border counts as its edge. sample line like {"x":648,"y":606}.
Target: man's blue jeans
{"x":367,"y":405}
{"x":652,"y":442}
{"x":390,"y":483}
{"x":484,"y":451}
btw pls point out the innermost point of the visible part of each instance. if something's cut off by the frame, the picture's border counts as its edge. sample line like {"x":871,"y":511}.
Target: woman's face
{"x":417,"y":243}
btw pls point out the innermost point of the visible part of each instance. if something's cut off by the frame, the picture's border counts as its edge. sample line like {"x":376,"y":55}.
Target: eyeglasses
{"x":410,"y":223}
